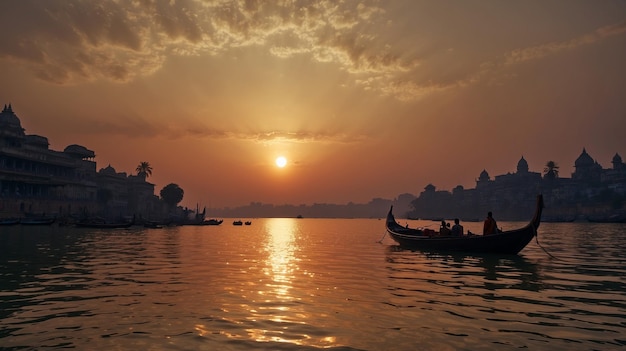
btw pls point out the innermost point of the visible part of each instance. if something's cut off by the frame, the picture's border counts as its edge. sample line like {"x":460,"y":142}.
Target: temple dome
{"x":108,"y":170}
{"x":79,"y":151}
{"x":617,"y":159}
{"x":8,"y":117}
{"x":584,"y":160}
{"x":37,"y":140}
{"x":522,"y":166}
{"x":483,"y":175}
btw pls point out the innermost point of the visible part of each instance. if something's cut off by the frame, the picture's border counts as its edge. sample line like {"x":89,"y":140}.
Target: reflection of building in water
{"x":36,"y":179}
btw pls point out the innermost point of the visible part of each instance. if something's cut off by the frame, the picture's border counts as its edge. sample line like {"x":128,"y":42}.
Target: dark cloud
{"x":70,"y":41}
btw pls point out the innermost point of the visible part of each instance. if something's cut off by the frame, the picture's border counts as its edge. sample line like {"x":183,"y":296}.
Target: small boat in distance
{"x":9,"y":221}
{"x":152,"y":225}
{"x":247,"y":222}
{"x":504,"y":242}
{"x":212,"y":221}
{"x":102,"y":224}
{"x":37,"y":220}
{"x":237,"y":223}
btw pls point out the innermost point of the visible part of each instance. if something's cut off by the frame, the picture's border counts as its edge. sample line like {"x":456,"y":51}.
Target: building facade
{"x":592,"y":193}
{"x":35,"y":180}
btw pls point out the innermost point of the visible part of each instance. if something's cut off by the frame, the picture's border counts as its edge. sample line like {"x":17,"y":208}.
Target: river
{"x":306,"y":284}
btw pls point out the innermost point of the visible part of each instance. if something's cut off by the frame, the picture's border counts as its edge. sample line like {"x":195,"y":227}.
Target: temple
{"x":591,"y":193}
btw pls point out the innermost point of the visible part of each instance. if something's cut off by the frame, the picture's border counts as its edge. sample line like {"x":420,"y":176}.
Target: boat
{"x":9,"y":221}
{"x":104,"y":225}
{"x":101,"y":224}
{"x":37,"y":220}
{"x":247,"y":223}
{"x":503,"y":242}
{"x":152,"y":225}
{"x":212,"y":221}
{"x":237,"y":223}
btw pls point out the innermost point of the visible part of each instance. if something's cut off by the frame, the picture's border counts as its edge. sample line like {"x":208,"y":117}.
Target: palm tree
{"x":144,"y":169}
{"x":551,"y":171}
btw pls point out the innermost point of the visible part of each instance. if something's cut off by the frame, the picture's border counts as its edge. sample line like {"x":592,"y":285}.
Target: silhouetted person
{"x":457,"y":229}
{"x":445,"y":228}
{"x":490,"y":226}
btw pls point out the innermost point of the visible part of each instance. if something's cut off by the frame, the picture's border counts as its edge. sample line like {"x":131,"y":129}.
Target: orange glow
{"x":371,"y":99}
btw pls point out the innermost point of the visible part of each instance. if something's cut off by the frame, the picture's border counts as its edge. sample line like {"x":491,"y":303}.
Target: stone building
{"x":122,"y":195}
{"x":37,"y":180}
{"x":591,"y":192}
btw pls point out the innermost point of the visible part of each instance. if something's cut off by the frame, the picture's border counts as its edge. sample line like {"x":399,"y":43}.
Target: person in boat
{"x":457,"y":229}
{"x":490,"y":226}
{"x":444,"y":229}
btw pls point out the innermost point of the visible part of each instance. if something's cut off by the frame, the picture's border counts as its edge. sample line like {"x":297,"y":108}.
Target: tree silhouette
{"x":172,"y":194}
{"x":551,"y":171}
{"x":144,"y":168}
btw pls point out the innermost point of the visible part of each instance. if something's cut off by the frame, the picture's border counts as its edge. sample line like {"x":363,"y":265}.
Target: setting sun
{"x":281,"y":162}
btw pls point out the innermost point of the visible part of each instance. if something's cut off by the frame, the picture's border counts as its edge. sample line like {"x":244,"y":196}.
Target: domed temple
{"x":512,"y":194}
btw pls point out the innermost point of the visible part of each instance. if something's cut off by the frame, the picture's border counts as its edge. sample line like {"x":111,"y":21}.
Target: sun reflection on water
{"x":276,"y":309}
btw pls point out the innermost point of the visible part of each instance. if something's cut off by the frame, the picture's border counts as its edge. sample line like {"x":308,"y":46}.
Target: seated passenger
{"x":445,"y":228}
{"x":457,"y":229}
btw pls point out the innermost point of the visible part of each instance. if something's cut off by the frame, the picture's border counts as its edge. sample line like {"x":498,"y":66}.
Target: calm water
{"x":305,"y":284}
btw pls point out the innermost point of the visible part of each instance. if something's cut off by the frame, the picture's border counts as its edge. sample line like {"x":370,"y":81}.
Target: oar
{"x":381,"y":239}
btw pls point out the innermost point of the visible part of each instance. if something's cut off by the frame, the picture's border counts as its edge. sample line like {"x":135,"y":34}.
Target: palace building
{"x":37,"y":180}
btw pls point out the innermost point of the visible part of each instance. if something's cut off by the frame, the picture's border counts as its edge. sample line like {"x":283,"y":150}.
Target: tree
{"x":144,"y":168}
{"x":551,"y":171}
{"x":172,"y":194}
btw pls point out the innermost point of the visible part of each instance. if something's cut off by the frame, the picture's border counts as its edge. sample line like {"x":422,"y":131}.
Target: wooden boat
{"x":152,"y":225}
{"x":212,"y":221}
{"x":104,"y":225}
{"x":99,"y":223}
{"x":9,"y":221}
{"x":247,"y":223}
{"x":237,"y":223}
{"x":505,"y":242}
{"x":37,"y":221}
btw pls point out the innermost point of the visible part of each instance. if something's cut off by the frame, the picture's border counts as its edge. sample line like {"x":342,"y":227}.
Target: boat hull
{"x":104,"y":225}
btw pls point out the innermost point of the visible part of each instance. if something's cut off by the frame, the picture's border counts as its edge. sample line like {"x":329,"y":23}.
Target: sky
{"x":365,"y":99}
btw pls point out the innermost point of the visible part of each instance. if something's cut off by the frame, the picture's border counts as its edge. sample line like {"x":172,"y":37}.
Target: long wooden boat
{"x":9,"y":221}
{"x":505,"y":242}
{"x":37,"y":221}
{"x":101,"y":224}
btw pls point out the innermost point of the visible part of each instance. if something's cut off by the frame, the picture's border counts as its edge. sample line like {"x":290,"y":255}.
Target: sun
{"x":281,"y":162}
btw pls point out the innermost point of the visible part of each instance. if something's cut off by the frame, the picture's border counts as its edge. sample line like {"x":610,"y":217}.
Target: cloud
{"x":538,"y":52}
{"x":135,"y":126}
{"x":301,"y":137}
{"x":71,"y":41}
{"x":75,"y":41}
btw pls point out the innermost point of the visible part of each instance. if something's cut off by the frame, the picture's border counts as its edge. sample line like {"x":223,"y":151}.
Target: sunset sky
{"x":365,"y":99}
